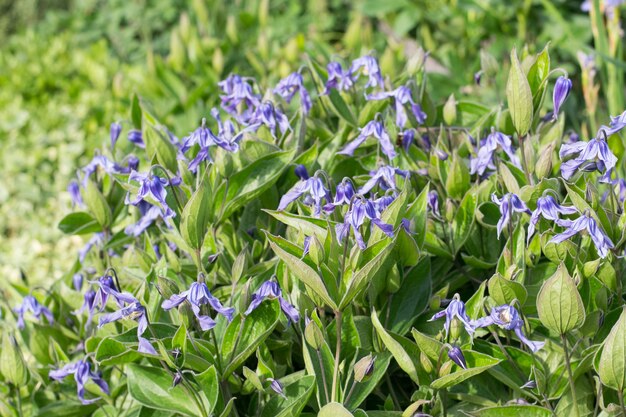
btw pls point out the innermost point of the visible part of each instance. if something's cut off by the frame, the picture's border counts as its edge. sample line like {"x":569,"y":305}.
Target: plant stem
{"x":620,"y":395}
{"x":319,"y":358}
{"x":337,"y":355}
{"x":570,"y":376}
{"x":18,"y":396}
{"x":522,"y":147}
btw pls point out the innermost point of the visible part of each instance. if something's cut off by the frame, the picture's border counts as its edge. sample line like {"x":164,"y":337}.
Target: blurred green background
{"x":69,"y":68}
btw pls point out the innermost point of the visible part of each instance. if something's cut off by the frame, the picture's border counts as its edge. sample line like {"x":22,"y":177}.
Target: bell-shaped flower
{"x":456,"y":354}
{"x":149,"y":217}
{"x":368,"y":66}
{"x":74,"y":190}
{"x":82,"y":374}
{"x":238,"y":99}
{"x":488,"y":146}
{"x":585,"y":223}
{"x":401,"y":97}
{"x":136,"y":137}
{"x":227,"y":136}
{"x":588,"y":156}
{"x":432,"y":203}
{"x":151,"y":186}
{"x":562,"y":88}
{"x":292,"y":84}
{"x":507,"y":317}
{"x":198,"y":295}
{"x":548,"y":208}
{"x":374,"y":129}
{"x":88,"y":306}
{"x":134,"y":311}
{"x":385,"y":176}
{"x":271,"y":290}
{"x":103,"y":163}
{"x":30,"y":304}
{"x":343,"y":195}
{"x":383,"y":202}
{"x":360,"y":210}
{"x":338,"y":78}
{"x":508,"y":204}
{"x":312,"y":189}
{"x":270,"y":116}
{"x":455,"y":309}
{"x":202,"y":136}
{"x":114,"y":133}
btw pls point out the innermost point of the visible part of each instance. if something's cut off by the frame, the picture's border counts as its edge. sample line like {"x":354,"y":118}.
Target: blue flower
{"x":368,"y":65}
{"x":134,"y":311}
{"x":77,"y":281}
{"x":383,"y":202}
{"x":585,"y":223}
{"x":354,"y":219}
{"x":271,"y":290}
{"x":96,"y":240}
{"x":88,"y":305}
{"x":314,"y":191}
{"x":562,"y":88}
{"x":115,"y":131}
{"x":508,"y":318}
{"x":30,"y":303}
{"x":238,"y":99}
{"x":508,"y":204}
{"x":343,"y":195}
{"x":432,"y":203}
{"x":289,"y":86}
{"x":456,"y":354}
{"x":385,"y":176}
{"x":74,"y":189}
{"x":549,"y":209}
{"x":455,"y":309}
{"x":401,"y":97}
{"x":102,"y":162}
{"x":198,"y":295}
{"x":377,"y":130}
{"x":408,"y":137}
{"x":338,"y":78}
{"x":82,"y":374}
{"x":136,"y":137}
{"x":151,"y":186}
{"x":146,"y":220}
{"x":266,"y":114}
{"x":484,"y":157}
{"x":202,"y":136}
{"x":588,"y":156}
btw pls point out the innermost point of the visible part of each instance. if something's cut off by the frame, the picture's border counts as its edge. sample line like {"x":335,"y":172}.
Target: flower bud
{"x":77,"y":280}
{"x":276,"y":386}
{"x":177,"y":379}
{"x":450,"y":210}
{"x":456,"y":354}
{"x":445,"y":369}
{"x":449,"y":110}
{"x":562,"y":88}
{"x":116,"y":129}
{"x":426,"y":363}
{"x":313,"y":335}
{"x":364,"y":368}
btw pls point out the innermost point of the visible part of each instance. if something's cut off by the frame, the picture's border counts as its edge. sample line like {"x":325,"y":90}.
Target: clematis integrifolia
{"x":374,"y":129}
{"x":455,"y":309}
{"x":270,"y":290}
{"x":507,"y":317}
{"x":198,"y":295}
{"x":487,"y":148}
{"x":585,"y":224}
{"x":82,"y":374}
{"x":360,"y":210}
{"x":509,"y":204}
{"x":30,"y":304}
{"x":548,"y":208}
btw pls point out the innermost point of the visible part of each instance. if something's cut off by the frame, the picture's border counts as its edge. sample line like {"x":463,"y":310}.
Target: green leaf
{"x":245,"y":333}
{"x":612,"y":366}
{"x":411,"y":299}
{"x":97,"y":204}
{"x":302,"y":271}
{"x":79,"y":223}
{"x":160,"y":146}
{"x":66,"y":409}
{"x":503,"y":290}
{"x":152,"y":387}
{"x":309,"y":226}
{"x":519,"y":97}
{"x":296,"y":395}
{"x":458,"y":181}
{"x":195,"y":216}
{"x":135,"y":112}
{"x":463,"y":221}
{"x":341,"y":108}
{"x":251,"y":182}
{"x":559,"y":304}
{"x":209,"y":383}
{"x":334,"y":410}
{"x":513,"y":411}
{"x":476,"y":364}
{"x":537,"y":76}
{"x":114,"y":352}
{"x":418,"y":211}
{"x":363,"y":389}
{"x":12,"y":366}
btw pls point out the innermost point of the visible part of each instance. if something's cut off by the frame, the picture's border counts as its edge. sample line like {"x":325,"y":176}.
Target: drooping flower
{"x":588,"y":156}
{"x":102,"y":162}
{"x":383,"y":202}
{"x":338,"y":78}
{"x":271,"y":290}
{"x":270,"y":116}
{"x":385,"y":176}
{"x":238,"y":99}
{"x":455,"y":309}
{"x":343,"y":195}
{"x":562,"y":88}
{"x":198,"y":295}
{"x":30,"y":304}
{"x":488,"y":146}
{"x":314,"y":191}
{"x":88,"y":305}
{"x":96,"y":240}
{"x":107,"y":288}
{"x":292,"y":84}
{"x":433,"y":203}
{"x":202,"y":136}
{"x":354,"y":219}
{"x":147,"y":218}
{"x":134,"y":311}
{"x":408,"y":137}
{"x":377,"y":130}
{"x":151,"y":186}
{"x":82,"y":374}
{"x":507,"y":317}
{"x":368,"y":66}
{"x":227,"y":136}
{"x":585,"y":223}
{"x":136,"y":137}
{"x":508,"y":204}
{"x":548,"y":208}
{"x":401,"y":97}
{"x":456,"y":354}
{"x":74,"y":189}
{"x":77,"y":281}
{"x":115,"y":131}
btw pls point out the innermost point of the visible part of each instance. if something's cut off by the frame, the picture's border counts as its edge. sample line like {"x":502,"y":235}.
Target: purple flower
{"x":136,"y":229}
{"x":455,"y":309}
{"x":270,"y":116}
{"x":508,"y":204}
{"x":385,"y":176}
{"x":271,"y":290}
{"x":151,"y":186}
{"x":488,"y":146}
{"x":433,"y":203}
{"x":617,"y":124}
{"x":82,"y":374}
{"x":197,"y":295}
{"x":96,"y":240}
{"x":238,"y":98}
{"x":115,"y":131}
{"x":132,"y":162}
{"x":376,"y":129}
{"x":401,"y":97}
{"x":202,"y":136}
{"x":338,"y":78}
{"x":134,"y":311}
{"x":354,"y":219}
{"x":477,"y":76}
{"x":441,"y":155}
{"x":508,"y":318}
{"x":74,"y":189}
{"x":289,"y":86}
{"x":88,"y":305}
{"x":77,"y":281}
{"x":277,"y":387}
{"x":343,"y":195}
{"x":370,"y":68}
{"x":456,"y":354}
{"x":107,"y":288}
{"x":102,"y":162}
{"x":30,"y":303}
{"x":588,"y":156}
{"x":562,"y":87}
{"x":301,"y":172}
{"x":136,"y":137}
{"x":408,"y":137}
{"x":383,"y":202}
{"x":227,"y":136}
{"x":585,"y":223}
{"x":549,"y":209}
{"x":314,"y":191}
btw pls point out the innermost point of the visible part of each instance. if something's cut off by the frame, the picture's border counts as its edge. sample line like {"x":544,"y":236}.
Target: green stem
{"x":570,"y":376}
{"x":18,"y":397}
{"x":319,"y":358}
{"x":522,"y":146}
{"x":337,"y":355}
{"x":620,"y":395}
